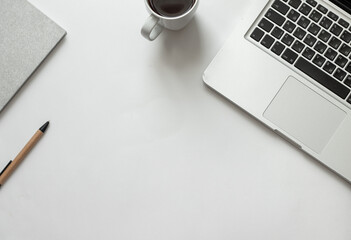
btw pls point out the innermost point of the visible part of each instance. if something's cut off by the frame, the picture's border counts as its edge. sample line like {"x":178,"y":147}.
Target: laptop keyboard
{"x":310,"y":38}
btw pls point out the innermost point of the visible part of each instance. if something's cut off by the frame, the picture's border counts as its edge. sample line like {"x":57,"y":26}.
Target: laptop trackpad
{"x":304,"y":114}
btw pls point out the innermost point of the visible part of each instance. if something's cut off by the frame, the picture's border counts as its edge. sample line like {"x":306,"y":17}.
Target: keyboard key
{"x":277,"y":32}
{"x":336,"y":29}
{"x":314,"y":29}
{"x":289,"y":26}
{"x":334,"y":43}
{"x":343,"y":23}
{"x":341,"y":61}
{"x":315,"y":16}
{"x":322,"y":9}
{"x":308,"y":53}
{"x":287,"y":39}
{"x":295,"y":3}
{"x":348,"y":68}
{"x":313,"y":3}
{"x":339,"y":74}
{"x":303,"y":22}
{"x":318,"y":60}
{"x":289,"y":56}
{"x":324,"y":36}
{"x":278,"y":48}
{"x":280,"y":7}
{"x":293,"y":15}
{"x":349,"y":100}
{"x":348,"y":81}
{"x":345,"y":49}
{"x":257,"y":34}
{"x":298,"y":46}
{"x":329,"y":67}
{"x":330,"y":54}
{"x":320,"y":47}
{"x":275,"y":17}
{"x":346,"y":36}
{"x":326,"y":22}
{"x":265,"y":25}
{"x":267,"y":41}
{"x":333,"y":16}
{"x":299,"y":33}
{"x":305,"y":9}
{"x":310,"y":40}
{"x":321,"y":77}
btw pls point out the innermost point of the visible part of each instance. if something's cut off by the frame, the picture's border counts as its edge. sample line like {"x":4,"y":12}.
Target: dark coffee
{"x":171,"y":8}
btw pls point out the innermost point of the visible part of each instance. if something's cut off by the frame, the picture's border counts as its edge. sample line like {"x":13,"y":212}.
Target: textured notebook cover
{"x":27,"y":36}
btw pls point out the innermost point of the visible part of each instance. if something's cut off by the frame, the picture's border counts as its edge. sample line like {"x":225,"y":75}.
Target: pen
{"x":12,"y":165}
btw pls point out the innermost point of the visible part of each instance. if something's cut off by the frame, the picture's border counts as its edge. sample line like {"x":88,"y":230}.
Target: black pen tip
{"x":44,"y":127}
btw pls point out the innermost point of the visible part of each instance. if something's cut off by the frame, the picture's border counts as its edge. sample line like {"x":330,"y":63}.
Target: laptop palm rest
{"x":304,"y":114}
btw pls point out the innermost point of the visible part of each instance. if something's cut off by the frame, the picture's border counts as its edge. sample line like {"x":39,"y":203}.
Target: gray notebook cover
{"x":27,"y":36}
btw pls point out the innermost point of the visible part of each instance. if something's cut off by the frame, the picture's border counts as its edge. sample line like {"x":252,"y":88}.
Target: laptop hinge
{"x":341,"y":5}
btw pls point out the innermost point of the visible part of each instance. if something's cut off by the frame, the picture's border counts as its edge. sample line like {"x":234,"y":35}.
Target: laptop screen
{"x":344,"y":4}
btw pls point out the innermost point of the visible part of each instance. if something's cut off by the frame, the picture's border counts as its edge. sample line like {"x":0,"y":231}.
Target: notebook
{"x":27,"y":37}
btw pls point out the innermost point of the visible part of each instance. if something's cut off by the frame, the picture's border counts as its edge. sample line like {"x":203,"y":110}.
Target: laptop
{"x":288,"y":64}
{"x":27,"y":37}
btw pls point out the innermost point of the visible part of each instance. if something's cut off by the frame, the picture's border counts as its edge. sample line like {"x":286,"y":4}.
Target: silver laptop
{"x":27,"y":36}
{"x":288,"y":64}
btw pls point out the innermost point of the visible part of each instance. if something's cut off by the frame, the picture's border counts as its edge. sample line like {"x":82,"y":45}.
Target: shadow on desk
{"x":182,"y":49}
{"x":329,"y":172}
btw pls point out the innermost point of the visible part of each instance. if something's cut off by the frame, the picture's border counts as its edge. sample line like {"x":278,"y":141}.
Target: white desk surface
{"x":139,"y":148}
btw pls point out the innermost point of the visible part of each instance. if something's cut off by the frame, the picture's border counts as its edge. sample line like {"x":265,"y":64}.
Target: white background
{"x":139,"y":148}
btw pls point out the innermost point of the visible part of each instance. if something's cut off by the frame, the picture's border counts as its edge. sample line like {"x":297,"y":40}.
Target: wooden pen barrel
{"x":19,"y":158}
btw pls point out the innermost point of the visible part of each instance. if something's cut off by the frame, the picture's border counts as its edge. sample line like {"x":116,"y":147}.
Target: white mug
{"x":156,"y":22}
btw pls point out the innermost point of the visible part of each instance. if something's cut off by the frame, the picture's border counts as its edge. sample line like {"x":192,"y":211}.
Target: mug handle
{"x":151,"y":28}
